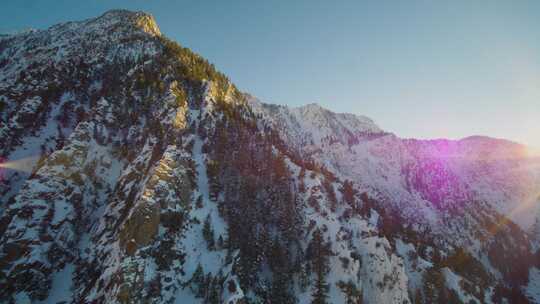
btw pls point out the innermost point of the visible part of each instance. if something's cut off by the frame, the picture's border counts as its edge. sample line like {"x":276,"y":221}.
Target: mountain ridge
{"x":154,"y":180}
{"x":471,"y":149}
{"x":317,"y":105}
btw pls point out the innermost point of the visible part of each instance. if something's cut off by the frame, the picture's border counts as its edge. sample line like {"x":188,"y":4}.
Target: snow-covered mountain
{"x":134,"y":172}
{"x":436,"y":173}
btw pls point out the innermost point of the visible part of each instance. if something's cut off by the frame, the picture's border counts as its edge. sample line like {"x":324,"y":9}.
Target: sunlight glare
{"x":24,"y":164}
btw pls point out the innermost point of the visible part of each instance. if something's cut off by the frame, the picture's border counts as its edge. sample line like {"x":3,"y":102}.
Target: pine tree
{"x":220,"y":242}
{"x":319,"y":251}
{"x":276,"y":256}
{"x":280,"y":291}
{"x":208,"y":233}
{"x":417,"y":297}
{"x":435,"y":290}
{"x":304,"y":276}
{"x":213,"y":292}
{"x":320,"y":290}
{"x":331,"y":194}
{"x":348,"y":192}
{"x":61,"y":138}
{"x":352,"y":294}
{"x":301,"y":176}
{"x":197,"y":281}
{"x":199,"y":202}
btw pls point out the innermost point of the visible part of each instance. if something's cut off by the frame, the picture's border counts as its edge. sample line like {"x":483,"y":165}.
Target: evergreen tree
{"x":318,"y":251}
{"x":61,"y":138}
{"x":352,"y":294}
{"x":199,"y":202}
{"x":208,"y":233}
{"x":197,"y":282}
{"x":301,"y":176}
{"x":417,"y":297}
{"x":220,"y":242}
{"x":280,"y":291}
{"x":348,"y":192}
{"x":320,"y":289}
{"x":304,"y":276}
{"x":213,"y":296}
{"x":435,"y":290}
{"x":331,"y":194}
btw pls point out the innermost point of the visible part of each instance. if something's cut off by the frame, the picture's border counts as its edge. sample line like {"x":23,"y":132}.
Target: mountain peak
{"x":141,"y":20}
{"x":117,"y":20}
{"x":351,"y":121}
{"x":312,"y":106}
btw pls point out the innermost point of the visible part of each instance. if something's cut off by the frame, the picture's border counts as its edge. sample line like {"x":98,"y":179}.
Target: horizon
{"x":421,"y":70}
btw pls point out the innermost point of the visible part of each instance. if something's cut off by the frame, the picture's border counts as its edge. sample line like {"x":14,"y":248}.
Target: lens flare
{"x":24,"y":164}
{"x":533,"y":152}
{"x":525,"y":207}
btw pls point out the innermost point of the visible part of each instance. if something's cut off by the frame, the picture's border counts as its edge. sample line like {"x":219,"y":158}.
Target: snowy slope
{"x":436,"y":172}
{"x":449,"y":187}
{"x":134,"y":172}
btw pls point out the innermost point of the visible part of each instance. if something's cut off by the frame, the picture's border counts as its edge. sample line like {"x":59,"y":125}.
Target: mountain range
{"x":135,"y":172}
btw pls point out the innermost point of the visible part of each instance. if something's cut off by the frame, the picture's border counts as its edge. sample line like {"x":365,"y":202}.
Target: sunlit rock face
{"x":134,"y":172}
{"x":50,"y":78}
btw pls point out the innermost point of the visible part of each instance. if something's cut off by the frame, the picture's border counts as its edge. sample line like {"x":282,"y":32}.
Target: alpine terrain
{"x":132,"y":171}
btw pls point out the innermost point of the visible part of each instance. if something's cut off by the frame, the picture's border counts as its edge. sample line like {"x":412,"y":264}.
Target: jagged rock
{"x":140,"y":228}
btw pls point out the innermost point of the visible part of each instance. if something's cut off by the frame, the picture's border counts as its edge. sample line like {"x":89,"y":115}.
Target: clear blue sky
{"x":424,"y":69}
